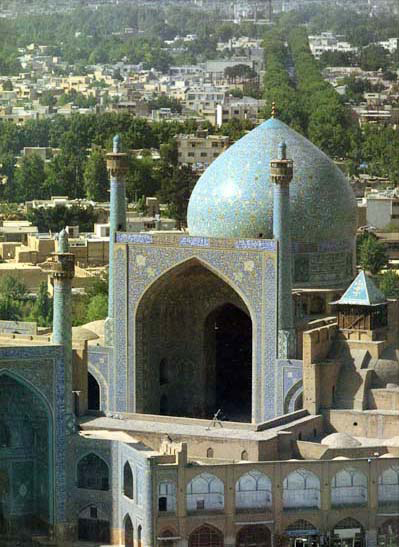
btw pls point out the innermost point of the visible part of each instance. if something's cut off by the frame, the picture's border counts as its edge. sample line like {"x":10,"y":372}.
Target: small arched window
{"x":93,"y":473}
{"x":244,"y":455}
{"x":209,"y":453}
{"x":139,"y":536}
{"x":128,"y":481}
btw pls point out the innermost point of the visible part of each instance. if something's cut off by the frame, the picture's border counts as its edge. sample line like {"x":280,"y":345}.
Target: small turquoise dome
{"x":234,"y":197}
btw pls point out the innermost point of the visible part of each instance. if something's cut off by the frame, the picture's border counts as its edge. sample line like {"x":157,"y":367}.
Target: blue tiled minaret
{"x":117,"y":163}
{"x":281,"y":173}
{"x":63,"y":271}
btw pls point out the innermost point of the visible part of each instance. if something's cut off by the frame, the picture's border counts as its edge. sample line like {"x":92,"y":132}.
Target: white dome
{"x":340,"y":440}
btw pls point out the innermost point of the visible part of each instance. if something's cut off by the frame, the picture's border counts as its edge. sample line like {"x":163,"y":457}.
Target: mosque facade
{"x":208,"y":411}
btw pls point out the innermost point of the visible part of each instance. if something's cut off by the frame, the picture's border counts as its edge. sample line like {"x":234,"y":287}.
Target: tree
{"x":176,"y":190}
{"x":388,"y":282}
{"x":373,"y":57}
{"x":372,"y":255}
{"x":47,"y":98}
{"x":13,"y":295}
{"x":30,"y":179}
{"x":54,"y":219}
{"x":42,"y":311}
{"x":95,"y":177}
{"x":97,"y":308}
{"x":7,"y":86}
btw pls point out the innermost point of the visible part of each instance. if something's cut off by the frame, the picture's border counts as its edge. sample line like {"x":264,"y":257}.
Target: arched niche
{"x":349,"y":488}
{"x":176,"y":323}
{"x":253,"y":492}
{"x":388,"y":487}
{"x":301,"y":490}
{"x":128,"y":484}
{"x":26,"y":457}
{"x":129,"y":532}
{"x":205,"y":492}
{"x":93,"y":392}
{"x":206,"y":536}
{"x":92,"y":473}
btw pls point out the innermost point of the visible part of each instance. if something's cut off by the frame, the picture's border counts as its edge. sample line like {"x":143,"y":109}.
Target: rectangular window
{"x":204,"y":154}
{"x":93,"y":512}
{"x":200,"y":504}
{"x":162,"y":504}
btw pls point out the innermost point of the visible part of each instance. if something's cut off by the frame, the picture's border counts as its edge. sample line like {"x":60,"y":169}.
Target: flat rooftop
{"x":139,"y":424}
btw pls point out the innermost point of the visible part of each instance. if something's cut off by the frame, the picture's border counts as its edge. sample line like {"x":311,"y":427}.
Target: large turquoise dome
{"x":234,"y":199}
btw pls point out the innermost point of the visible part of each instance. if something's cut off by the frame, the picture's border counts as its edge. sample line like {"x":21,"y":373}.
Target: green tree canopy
{"x":96,"y":177}
{"x":388,"y":282}
{"x":30,"y":178}
{"x":372,"y":255}
{"x":42,"y":310}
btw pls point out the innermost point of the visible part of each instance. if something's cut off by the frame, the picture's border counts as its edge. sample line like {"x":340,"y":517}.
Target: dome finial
{"x":274,"y":109}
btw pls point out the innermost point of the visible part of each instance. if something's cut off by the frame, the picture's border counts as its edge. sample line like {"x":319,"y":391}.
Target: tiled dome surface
{"x":234,"y":197}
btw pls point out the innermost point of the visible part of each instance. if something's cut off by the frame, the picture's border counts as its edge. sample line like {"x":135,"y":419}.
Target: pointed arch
{"x":388,"y":486}
{"x":31,"y":423}
{"x":173,"y":310}
{"x":206,"y":536}
{"x":128,"y":483}
{"x":92,"y":472}
{"x":102,"y":385}
{"x":129,"y":531}
{"x":186,"y":263}
{"x":301,"y":490}
{"x":205,"y":492}
{"x":93,"y":392}
{"x":29,"y":385}
{"x":253,"y":492}
{"x":349,"y":488}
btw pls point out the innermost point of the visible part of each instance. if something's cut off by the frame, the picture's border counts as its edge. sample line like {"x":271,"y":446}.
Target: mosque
{"x":243,"y":391}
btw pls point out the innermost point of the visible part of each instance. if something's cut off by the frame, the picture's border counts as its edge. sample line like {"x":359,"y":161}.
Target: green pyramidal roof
{"x":362,"y":292}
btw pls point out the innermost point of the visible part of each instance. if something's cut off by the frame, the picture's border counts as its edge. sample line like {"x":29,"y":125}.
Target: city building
{"x":192,"y":417}
{"x":200,"y":149}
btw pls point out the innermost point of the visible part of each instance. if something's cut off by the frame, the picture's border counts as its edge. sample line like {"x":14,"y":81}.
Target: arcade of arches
{"x":24,"y":460}
{"x":194,"y":346}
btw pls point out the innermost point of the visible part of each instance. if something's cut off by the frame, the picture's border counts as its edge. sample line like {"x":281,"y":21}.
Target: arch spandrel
{"x":185,"y":264}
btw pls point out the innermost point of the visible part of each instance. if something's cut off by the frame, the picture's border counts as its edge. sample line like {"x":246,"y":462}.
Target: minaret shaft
{"x":63,"y":271}
{"x":281,"y":171}
{"x":117,"y":168}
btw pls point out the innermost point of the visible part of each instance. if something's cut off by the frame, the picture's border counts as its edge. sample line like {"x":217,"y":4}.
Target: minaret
{"x":281,"y":173}
{"x":63,"y":271}
{"x":117,"y":165}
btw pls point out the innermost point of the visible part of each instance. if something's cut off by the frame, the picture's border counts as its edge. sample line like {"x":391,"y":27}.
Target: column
{"x":281,"y":173}
{"x":117,"y":164}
